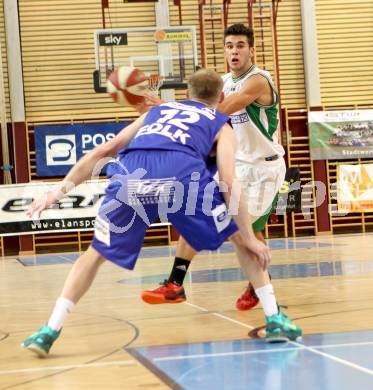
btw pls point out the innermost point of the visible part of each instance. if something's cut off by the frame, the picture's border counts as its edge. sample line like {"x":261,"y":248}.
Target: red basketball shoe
{"x":168,"y":292}
{"x":248,"y":299}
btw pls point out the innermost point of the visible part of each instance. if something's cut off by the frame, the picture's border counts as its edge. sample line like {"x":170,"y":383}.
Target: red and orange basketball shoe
{"x":248,"y":299}
{"x":168,"y":292}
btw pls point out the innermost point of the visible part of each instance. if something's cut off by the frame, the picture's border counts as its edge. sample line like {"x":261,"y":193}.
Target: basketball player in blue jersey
{"x":251,"y":101}
{"x":160,"y":172}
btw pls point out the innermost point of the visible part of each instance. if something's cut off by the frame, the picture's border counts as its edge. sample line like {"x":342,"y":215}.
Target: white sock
{"x":60,"y":312}
{"x":267,"y":298}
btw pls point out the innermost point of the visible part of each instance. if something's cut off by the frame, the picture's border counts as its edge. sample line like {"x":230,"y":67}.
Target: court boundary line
{"x":69,"y":367}
{"x":335,"y":358}
{"x":92,"y":361}
{"x":158,"y":372}
{"x":301,"y":346}
{"x":154,"y":369}
{"x":221,"y":316}
{"x":295,"y":348}
{"x":222,"y":354}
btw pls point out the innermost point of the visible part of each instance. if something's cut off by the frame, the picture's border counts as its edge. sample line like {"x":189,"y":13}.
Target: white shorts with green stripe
{"x":261,"y":182}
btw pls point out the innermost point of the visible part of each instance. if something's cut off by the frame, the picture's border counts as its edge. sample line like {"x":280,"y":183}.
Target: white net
{"x":154,"y":84}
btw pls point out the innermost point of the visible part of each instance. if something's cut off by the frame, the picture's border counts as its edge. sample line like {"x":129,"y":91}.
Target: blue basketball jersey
{"x":185,"y":126}
{"x":163,"y":174}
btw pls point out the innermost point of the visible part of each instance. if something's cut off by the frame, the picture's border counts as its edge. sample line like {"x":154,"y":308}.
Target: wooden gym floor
{"x":115,"y":341}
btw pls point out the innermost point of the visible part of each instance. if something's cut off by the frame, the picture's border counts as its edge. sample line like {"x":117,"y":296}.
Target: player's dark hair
{"x":240,"y":29}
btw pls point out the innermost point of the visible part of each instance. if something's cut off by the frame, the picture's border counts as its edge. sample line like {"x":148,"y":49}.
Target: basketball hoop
{"x":154,"y":84}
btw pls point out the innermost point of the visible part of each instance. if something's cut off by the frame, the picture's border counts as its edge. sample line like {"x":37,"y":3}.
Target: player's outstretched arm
{"x":252,"y":90}
{"x":234,"y":197}
{"x":149,"y":102}
{"x":88,"y":166}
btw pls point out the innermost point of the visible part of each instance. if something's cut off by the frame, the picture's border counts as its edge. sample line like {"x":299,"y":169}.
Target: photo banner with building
{"x":355,"y":188}
{"x":341,"y":135}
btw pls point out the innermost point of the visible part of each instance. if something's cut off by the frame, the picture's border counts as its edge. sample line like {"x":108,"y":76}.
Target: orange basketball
{"x":127,"y":85}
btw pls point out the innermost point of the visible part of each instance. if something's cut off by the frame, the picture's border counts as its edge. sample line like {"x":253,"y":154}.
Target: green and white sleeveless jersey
{"x":255,"y":126}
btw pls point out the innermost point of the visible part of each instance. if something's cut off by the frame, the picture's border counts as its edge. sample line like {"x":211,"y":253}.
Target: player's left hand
{"x":40,"y":204}
{"x":261,"y":251}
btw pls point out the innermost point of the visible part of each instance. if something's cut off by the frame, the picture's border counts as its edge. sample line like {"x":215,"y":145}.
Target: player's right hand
{"x":152,"y":100}
{"x":261,"y":251}
{"x":149,"y":102}
{"x":40,"y":204}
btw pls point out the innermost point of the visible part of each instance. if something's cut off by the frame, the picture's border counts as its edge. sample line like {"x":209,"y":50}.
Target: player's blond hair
{"x":205,"y":85}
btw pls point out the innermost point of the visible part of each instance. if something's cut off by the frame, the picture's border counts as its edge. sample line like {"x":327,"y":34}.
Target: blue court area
{"x":340,"y":361}
{"x":167,"y":251}
{"x":277,"y":271}
{"x":35,"y":260}
{"x":329,"y":267}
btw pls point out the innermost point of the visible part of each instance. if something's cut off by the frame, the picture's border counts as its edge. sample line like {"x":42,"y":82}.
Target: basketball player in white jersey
{"x":251,"y":101}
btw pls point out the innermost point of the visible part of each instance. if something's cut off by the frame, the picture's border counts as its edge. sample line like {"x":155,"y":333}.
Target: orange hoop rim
{"x":155,"y":82}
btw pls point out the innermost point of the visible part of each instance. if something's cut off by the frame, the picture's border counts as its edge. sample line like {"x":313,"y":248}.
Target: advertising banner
{"x":76,"y":211}
{"x":58,"y":148}
{"x":290,"y":194}
{"x":355,"y":188}
{"x":341,"y":135}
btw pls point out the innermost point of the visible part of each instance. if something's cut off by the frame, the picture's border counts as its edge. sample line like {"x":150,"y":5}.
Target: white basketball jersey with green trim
{"x":256,"y":125}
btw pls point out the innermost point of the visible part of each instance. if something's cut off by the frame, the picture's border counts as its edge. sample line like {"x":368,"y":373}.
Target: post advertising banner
{"x":341,"y":135}
{"x":76,"y":211}
{"x":58,"y":148}
{"x":355,"y":188}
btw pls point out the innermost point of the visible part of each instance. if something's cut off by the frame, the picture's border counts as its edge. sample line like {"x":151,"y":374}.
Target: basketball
{"x":127,"y":85}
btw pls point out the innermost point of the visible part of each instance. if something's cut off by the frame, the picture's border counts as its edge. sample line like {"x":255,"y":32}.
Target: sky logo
{"x":60,"y":149}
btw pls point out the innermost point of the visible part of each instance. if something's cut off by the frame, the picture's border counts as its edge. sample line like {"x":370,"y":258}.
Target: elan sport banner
{"x":341,"y":134}
{"x":58,"y":148}
{"x":76,"y":211}
{"x":355,"y":188}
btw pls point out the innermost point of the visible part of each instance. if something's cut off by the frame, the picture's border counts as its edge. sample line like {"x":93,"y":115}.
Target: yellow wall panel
{"x":290,"y":52}
{"x":4,"y":62}
{"x":345,"y":43}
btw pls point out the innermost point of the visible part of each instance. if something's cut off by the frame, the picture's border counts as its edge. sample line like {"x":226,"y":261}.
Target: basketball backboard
{"x":170,"y":52}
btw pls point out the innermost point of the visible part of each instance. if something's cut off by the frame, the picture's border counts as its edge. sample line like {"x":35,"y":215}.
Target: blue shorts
{"x":166,"y":185}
